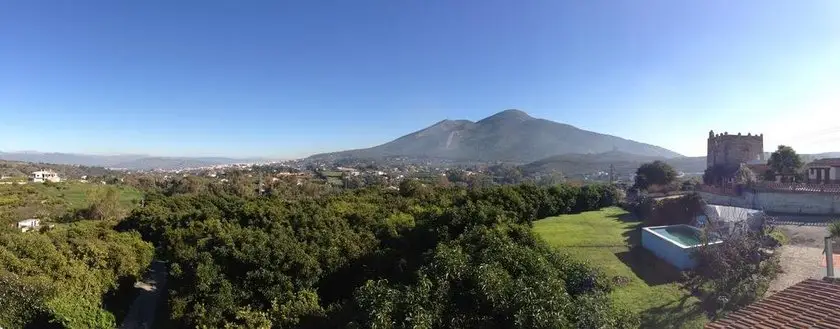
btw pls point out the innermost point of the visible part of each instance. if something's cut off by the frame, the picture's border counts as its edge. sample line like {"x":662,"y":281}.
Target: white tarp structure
{"x":728,"y":220}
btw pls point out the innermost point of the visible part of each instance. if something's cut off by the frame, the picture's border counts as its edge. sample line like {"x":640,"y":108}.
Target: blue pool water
{"x":674,"y":244}
{"x":685,"y":235}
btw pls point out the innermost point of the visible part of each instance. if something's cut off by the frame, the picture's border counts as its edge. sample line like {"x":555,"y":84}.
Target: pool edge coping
{"x":678,"y":244}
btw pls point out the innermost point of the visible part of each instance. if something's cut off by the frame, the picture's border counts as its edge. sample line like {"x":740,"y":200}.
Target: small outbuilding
{"x":28,"y":224}
{"x":728,"y":220}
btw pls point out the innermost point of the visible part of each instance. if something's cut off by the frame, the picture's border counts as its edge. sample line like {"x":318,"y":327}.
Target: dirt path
{"x":798,"y":263}
{"x":802,"y":258}
{"x":141,"y":315}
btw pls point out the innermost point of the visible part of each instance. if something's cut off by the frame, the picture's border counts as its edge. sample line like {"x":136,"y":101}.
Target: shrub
{"x":834,"y":229}
{"x":582,"y":279}
{"x":673,"y":211}
{"x":735,"y":272}
{"x":744,"y":175}
{"x":688,"y":186}
{"x":588,"y":198}
{"x":594,"y":311}
{"x":778,"y":236}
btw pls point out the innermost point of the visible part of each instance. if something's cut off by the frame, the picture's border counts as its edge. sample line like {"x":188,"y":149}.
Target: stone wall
{"x":780,"y":202}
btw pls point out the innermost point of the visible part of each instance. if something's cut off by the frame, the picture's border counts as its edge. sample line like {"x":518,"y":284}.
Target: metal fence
{"x":800,"y":187}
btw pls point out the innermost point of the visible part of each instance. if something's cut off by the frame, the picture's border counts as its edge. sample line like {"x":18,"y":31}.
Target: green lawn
{"x":605,"y":239}
{"x":76,"y":194}
{"x":54,"y":200}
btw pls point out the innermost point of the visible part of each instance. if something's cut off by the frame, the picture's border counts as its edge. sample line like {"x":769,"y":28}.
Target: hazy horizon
{"x":286,"y":80}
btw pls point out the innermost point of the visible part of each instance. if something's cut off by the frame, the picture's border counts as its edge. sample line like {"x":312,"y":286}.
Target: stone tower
{"x":733,"y":150}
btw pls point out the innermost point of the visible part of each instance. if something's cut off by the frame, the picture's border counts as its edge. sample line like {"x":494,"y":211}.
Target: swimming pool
{"x":674,"y":243}
{"x":684,"y":235}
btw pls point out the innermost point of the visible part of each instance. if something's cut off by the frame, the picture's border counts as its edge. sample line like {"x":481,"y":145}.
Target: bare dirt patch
{"x":798,"y":263}
{"x":803,"y":256}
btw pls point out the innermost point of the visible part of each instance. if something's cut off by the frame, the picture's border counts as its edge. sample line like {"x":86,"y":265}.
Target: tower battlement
{"x":727,"y":136}
{"x":733,"y":150}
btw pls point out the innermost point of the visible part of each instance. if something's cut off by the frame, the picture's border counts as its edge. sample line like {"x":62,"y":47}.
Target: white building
{"x":44,"y":176}
{"x":824,"y":171}
{"x":28,"y":224}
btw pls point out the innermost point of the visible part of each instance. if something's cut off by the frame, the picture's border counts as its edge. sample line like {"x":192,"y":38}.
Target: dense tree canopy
{"x":249,"y":253}
{"x":505,"y":173}
{"x":57,"y":278}
{"x":420,"y":257}
{"x":655,"y":173}
{"x":785,"y":161}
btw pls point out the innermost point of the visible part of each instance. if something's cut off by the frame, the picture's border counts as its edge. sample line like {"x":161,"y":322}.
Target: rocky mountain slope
{"x":511,"y":136}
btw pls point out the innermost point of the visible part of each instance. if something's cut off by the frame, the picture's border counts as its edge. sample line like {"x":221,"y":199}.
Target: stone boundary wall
{"x":780,"y":202}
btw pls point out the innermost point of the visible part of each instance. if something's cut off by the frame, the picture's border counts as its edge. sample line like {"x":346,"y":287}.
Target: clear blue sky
{"x":289,"y":78}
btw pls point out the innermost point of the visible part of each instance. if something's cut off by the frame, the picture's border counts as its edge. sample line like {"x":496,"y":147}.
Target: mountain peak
{"x":510,"y":114}
{"x":510,"y":135}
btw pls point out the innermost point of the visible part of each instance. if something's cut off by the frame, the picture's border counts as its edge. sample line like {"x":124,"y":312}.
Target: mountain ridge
{"x":509,"y":136}
{"x":121,"y":161}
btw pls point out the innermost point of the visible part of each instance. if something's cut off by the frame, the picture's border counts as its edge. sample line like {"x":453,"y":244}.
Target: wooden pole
{"x":829,"y":258}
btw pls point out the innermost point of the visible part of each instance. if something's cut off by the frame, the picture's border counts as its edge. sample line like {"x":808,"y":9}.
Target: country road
{"x":141,"y":315}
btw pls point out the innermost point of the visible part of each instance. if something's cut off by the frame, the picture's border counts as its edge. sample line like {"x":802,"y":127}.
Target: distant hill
{"x":624,"y":164}
{"x":168,"y":163}
{"x":811,"y":157}
{"x":19,"y":169}
{"x":510,"y":136}
{"x":68,"y":158}
{"x":133,"y":161}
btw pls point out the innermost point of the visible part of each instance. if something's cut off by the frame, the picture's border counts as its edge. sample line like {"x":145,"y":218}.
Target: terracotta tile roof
{"x":808,"y":304}
{"x":758,"y":168}
{"x":827,"y":162}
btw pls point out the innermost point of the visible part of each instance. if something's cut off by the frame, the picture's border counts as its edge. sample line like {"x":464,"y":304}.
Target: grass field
{"x":76,"y":194}
{"x":606,"y":239}
{"x":53,"y":200}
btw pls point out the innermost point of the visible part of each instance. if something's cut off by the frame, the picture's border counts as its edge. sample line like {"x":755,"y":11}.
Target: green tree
{"x":479,"y":180}
{"x":785,"y":161}
{"x":375,"y":180}
{"x":412,"y":188}
{"x":457,"y":176}
{"x":505,"y":173}
{"x":353,"y":182}
{"x":655,"y":173}
{"x":104,"y":204}
{"x":552,"y":178}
